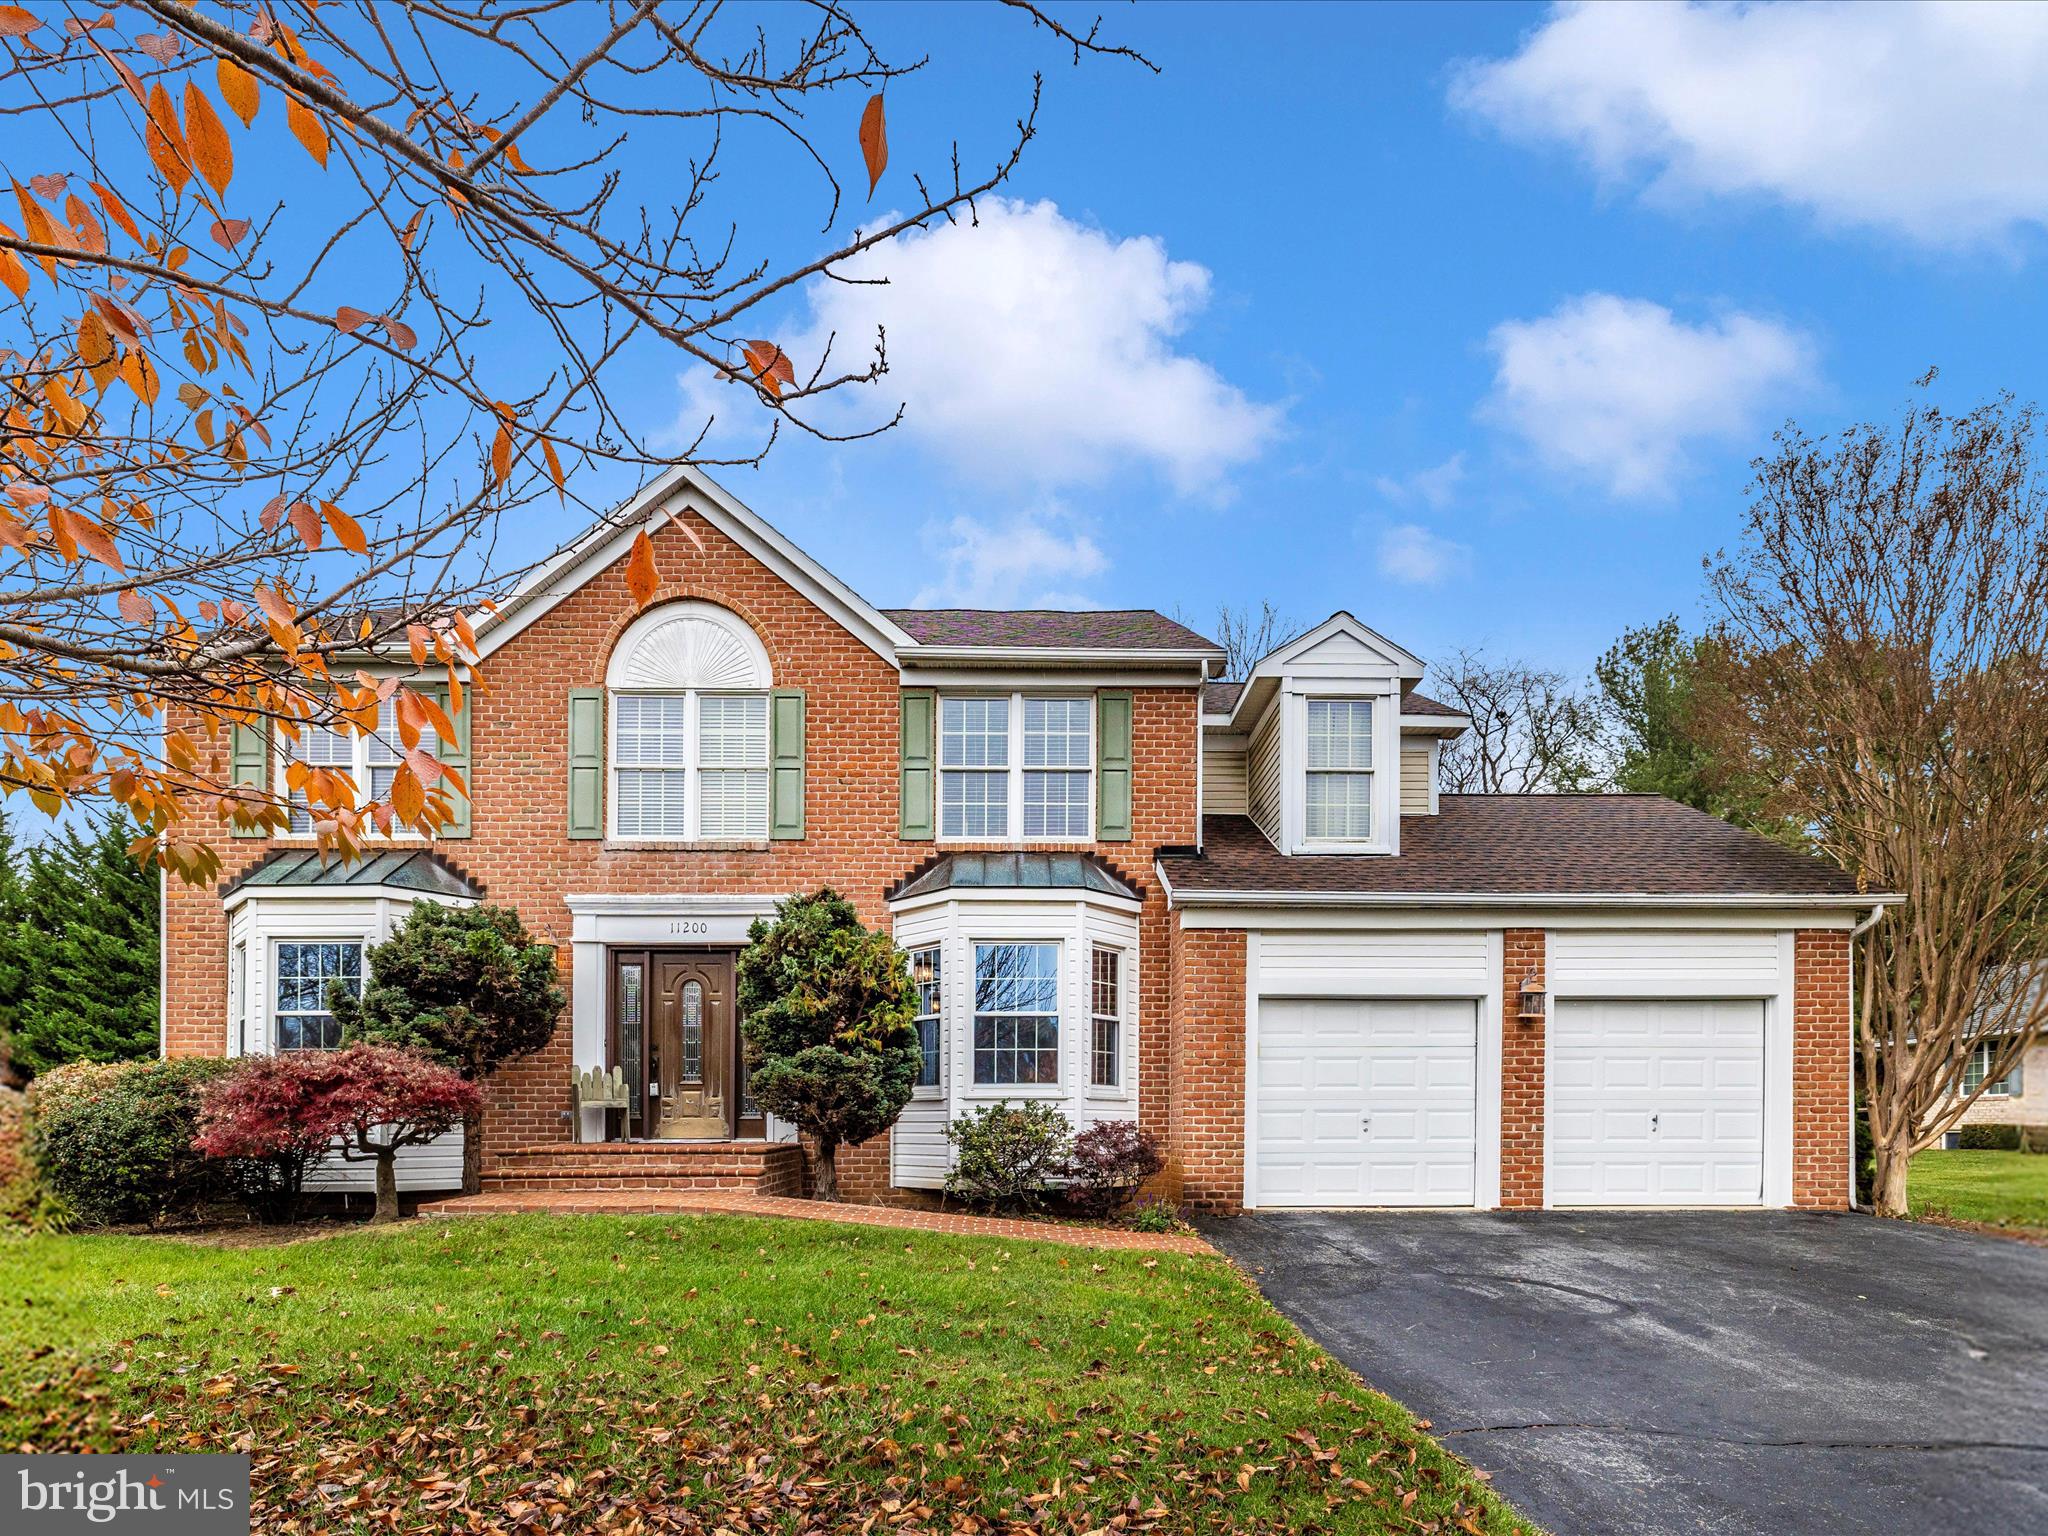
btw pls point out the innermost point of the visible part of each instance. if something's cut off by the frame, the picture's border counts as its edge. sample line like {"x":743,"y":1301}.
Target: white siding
{"x":437,"y":1165}
{"x":1371,"y":962}
{"x":1223,"y":774}
{"x":1264,"y":784}
{"x":1651,"y":958}
{"x":1415,"y":774}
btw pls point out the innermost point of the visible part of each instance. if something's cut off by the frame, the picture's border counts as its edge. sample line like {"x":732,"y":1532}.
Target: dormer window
{"x":1339,"y":806}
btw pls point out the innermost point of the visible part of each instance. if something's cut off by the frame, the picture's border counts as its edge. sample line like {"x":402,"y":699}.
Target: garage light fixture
{"x":1531,"y":1009}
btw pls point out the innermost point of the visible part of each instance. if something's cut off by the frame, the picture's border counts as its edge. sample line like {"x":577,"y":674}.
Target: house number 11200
{"x":682,"y":926}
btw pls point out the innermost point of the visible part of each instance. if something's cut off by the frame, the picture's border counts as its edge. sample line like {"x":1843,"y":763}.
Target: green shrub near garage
{"x":1988,"y":1138}
{"x":112,"y":1142}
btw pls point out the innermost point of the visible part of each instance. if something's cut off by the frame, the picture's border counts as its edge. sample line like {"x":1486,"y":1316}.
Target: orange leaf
{"x":62,"y":528}
{"x":237,"y":89}
{"x":771,"y":365}
{"x":116,"y":211}
{"x":16,"y":22}
{"x":874,"y":141}
{"x":95,"y":541}
{"x":141,"y":374}
{"x":346,"y":529}
{"x":307,"y":128}
{"x":547,"y":449}
{"x":408,"y":799}
{"x":12,"y":272}
{"x":229,"y":232}
{"x":212,"y":154}
{"x":348,"y":319}
{"x":417,"y":637}
{"x":166,"y":144}
{"x":501,"y":454}
{"x":641,"y":577}
{"x":400,"y":334}
{"x":135,"y":607}
{"x":436,"y":716}
{"x":96,"y":344}
{"x":273,"y":603}
{"x":424,"y":766}
{"x":306,"y":524}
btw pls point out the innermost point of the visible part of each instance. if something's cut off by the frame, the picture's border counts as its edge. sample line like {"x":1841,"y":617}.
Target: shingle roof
{"x":406,"y":869}
{"x":1520,"y":846}
{"x":1016,"y":872}
{"x":1111,"y":629}
{"x":1423,"y":704}
{"x":1221,"y":699}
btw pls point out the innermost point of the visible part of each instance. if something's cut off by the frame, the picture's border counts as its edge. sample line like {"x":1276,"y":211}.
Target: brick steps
{"x":569,"y":1168}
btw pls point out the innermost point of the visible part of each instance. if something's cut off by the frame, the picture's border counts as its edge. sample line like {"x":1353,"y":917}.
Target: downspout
{"x":1870,"y":922}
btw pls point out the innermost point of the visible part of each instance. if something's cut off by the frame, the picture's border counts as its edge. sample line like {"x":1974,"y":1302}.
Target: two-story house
{"x":1239,"y":912}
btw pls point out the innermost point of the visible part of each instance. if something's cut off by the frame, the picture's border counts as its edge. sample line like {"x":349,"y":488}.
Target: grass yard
{"x":2007,"y":1189}
{"x":696,"y":1373}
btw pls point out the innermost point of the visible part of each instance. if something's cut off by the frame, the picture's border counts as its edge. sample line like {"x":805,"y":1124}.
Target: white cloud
{"x":1023,"y":562}
{"x":1435,"y":487}
{"x":1923,"y":119}
{"x":1411,"y":554}
{"x":1028,"y":349}
{"x":1618,"y":389}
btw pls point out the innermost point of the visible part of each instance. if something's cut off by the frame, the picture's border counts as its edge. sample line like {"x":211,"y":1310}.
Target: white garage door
{"x":1656,"y":1103}
{"x":1366,"y":1103}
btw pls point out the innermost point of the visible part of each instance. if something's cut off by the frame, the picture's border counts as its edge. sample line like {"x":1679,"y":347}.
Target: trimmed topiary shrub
{"x":1111,"y":1158}
{"x":113,"y":1143}
{"x":1006,"y":1156}
{"x":1988,"y":1138}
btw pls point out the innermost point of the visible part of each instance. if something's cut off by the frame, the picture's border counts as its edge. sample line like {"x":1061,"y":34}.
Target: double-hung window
{"x":1016,"y":1014}
{"x":1105,"y":1018}
{"x":690,"y":765}
{"x":304,"y":969}
{"x":1339,"y":770}
{"x":924,"y":975}
{"x":1978,"y":1068}
{"x":1017,"y":766}
{"x":371,"y":762}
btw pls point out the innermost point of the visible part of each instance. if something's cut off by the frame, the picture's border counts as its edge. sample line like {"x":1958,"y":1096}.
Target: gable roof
{"x":609,"y":538}
{"x":1096,"y":629}
{"x":1519,"y":847}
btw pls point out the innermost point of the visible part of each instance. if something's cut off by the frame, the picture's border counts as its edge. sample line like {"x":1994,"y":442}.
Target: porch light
{"x":1531,"y":1009}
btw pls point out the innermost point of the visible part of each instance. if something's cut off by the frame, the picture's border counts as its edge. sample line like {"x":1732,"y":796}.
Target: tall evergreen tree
{"x":13,"y":976}
{"x":84,"y":947}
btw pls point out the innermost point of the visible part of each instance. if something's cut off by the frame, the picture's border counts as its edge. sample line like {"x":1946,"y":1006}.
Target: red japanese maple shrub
{"x":1109,"y":1161}
{"x":270,"y":1119}
{"x":381,"y":1098}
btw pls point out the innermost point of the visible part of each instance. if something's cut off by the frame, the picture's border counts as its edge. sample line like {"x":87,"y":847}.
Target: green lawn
{"x":2009,"y":1189}
{"x":582,"y":1373}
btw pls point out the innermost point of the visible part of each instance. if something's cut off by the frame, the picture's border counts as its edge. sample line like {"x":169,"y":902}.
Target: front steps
{"x":566,"y":1167}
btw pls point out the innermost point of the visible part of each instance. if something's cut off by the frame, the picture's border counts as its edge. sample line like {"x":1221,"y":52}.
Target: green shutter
{"x":249,"y":765}
{"x":786,"y":763}
{"x":456,"y":755}
{"x":586,"y":762}
{"x":920,"y":706}
{"x":1113,"y":767}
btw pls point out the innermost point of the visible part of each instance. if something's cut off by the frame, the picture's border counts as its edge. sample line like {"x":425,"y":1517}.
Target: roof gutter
{"x":1328,"y":899}
{"x":1092,"y":655}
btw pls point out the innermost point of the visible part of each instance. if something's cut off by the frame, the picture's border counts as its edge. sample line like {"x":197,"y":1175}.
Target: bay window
{"x":304,"y":969}
{"x":1340,"y":771}
{"x":924,"y":976}
{"x":1017,"y":766}
{"x":1105,"y":1018}
{"x":1978,"y":1068}
{"x":1016,"y":1014}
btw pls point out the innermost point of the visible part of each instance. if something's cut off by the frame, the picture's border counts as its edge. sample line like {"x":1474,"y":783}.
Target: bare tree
{"x":1532,"y":730}
{"x":305,"y":298}
{"x":1248,"y":637}
{"x":1886,"y":620}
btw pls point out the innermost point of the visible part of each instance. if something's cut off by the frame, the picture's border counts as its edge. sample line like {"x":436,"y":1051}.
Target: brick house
{"x":1239,"y":912}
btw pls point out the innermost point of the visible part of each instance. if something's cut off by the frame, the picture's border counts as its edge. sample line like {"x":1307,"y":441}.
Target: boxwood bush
{"x":1988,"y":1138}
{"x":112,"y":1142}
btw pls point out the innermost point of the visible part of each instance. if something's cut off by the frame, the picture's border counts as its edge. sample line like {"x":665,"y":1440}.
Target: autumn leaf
{"x":874,"y":141}
{"x":348,"y":319}
{"x":501,"y":454}
{"x":116,"y":211}
{"x":97,"y":542}
{"x":164,"y":47}
{"x":237,"y":89}
{"x":207,"y":138}
{"x":16,"y":22}
{"x":50,"y":186}
{"x":135,"y":607}
{"x":401,"y":335}
{"x":641,"y":577}
{"x":771,"y":365}
{"x":229,"y":232}
{"x":273,"y":603}
{"x":418,"y":639}
{"x":408,"y":798}
{"x":547,"y":449}
{"x":306,"y":524}
{"x":166,"y":144}
{"x":307,"y":128}
{"x":12,"y":272}
{"x":347,"y":531}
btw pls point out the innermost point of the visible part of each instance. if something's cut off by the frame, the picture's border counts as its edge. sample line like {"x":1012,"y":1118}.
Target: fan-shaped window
{"x":689,"y":685}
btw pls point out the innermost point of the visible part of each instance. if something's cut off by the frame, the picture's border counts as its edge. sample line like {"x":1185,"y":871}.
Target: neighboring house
{"x":1238,"y":912}
{"x":2020,"y":1097}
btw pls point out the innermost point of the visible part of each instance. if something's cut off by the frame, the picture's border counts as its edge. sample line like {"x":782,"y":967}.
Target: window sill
{"x":1326,"y":848}
{"x":1096,"y":1093}
{"x":677,"y":845}
{"x":997,"y":1091}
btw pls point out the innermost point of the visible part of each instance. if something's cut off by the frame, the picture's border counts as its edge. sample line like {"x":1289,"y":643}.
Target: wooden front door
{"x":688,"y":1076}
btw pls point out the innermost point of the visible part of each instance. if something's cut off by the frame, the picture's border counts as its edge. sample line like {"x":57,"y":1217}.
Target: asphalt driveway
{"x":1763,"y":1372}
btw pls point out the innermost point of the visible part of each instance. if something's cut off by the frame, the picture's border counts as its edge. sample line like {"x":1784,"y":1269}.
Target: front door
{"x":675,"y":1033}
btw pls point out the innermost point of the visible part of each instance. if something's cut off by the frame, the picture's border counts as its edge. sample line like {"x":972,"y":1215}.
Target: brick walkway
{"x":663,"y":1202}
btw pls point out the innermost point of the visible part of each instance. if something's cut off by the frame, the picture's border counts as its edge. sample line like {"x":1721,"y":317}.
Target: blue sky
{"x":1468,"y":319}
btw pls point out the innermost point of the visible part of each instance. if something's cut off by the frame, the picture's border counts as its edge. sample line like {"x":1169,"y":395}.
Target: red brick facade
{"x":521,"y":854}
{"x":1522,"y":1046}
{"x":1206,"y":1123}
{"x":1821,"y":1130}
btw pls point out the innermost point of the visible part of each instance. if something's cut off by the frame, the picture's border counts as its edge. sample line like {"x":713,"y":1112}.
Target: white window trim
{"x":1014,"y":770}
{"x":1121,"y":1089}
{"x":1062,"y":1013}
{"x":1386,"y":769}
{"x":1996,"y":1087}
{"x":932,"y":1090}
{"x":362,"y":942}
{"x":692,"y":768}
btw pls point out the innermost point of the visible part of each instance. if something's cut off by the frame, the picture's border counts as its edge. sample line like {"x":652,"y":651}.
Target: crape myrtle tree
{"x":1884,"y":664}
{"x":829,"y":1025}
{"x":467,"y":987}
{"x":297,"y":301}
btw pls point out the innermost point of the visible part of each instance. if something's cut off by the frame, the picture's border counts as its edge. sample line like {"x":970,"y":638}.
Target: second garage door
{"x":1366,"y":1102}
{"x":1657,"y":1103}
